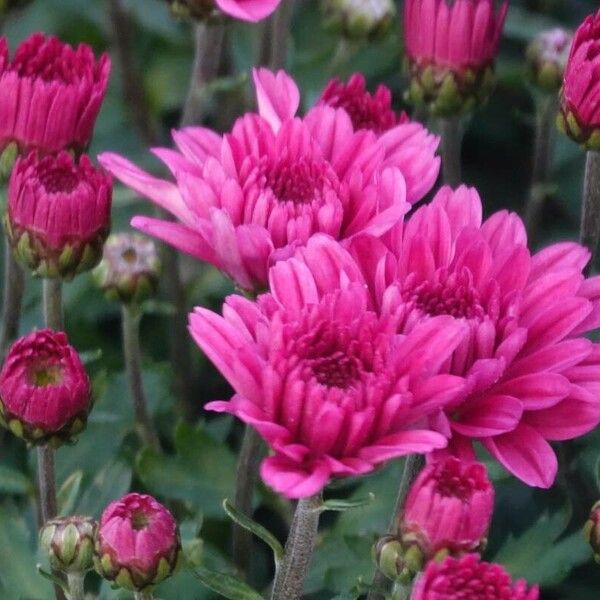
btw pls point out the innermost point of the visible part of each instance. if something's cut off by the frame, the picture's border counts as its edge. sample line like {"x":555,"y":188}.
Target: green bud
{"x":69,"y":543}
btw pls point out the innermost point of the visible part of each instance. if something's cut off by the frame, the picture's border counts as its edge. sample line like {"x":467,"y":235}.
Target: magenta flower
{"x":469,"y":578}
{"x":52,"y":94}
{"x":45,"y":393}
{"x":137,"y":544}
{"x":451,"y":46}
{"x":580,"y":96}
{"x":249,"y":198}
{"x":449,"y":508}
{"x":326,"y":382}
{"x":58,"y":213}
{"x":248,"y":10}
{"x":531,"y":376}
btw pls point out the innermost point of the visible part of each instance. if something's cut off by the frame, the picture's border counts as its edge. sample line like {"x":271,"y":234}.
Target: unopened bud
{"x":592,"y":531}
{"x":359,"y":19}
{"x":69,"y":543}
{"x":396,"y":559}
{"x":547,"y":57}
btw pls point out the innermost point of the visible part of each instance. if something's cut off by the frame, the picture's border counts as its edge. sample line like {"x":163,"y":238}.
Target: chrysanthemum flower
{"x":248,"y":198}
{"x":326,"y":382}
{"x":451,"y":46}
{"x":580,"y":96}
{"x":52,"y":94}
{"x":469,"y":578}
{"x":532,"y":377}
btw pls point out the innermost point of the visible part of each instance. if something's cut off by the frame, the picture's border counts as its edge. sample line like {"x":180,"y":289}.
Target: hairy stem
{"x":412,"y":465}
{"x":452,"y":135}
{"x":133,"y":362}
{"x":76,"y":586}
{"x":299,"y":548}
{"x":590,"y":216}
{"x":53,"y":310}
{"x":246,"y":477}
{"x":14,"y":287}
{"x":542,"y":163}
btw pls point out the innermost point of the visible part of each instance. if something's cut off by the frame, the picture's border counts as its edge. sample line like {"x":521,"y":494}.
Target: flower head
{"x":327,"y":383}
{"x":367,"y":111}
{"x":245,"y":10}
{"x":52,"y":94}
{"x":130,"y":268}
{"x":449,"y":508}
{"x":45,"y":393}
{"x":69,"y":543}
{"x":359,"y":19}
{"x":249,"y":198}
{"x":531,"y":375}
{"x":580,"y":95}
{"x":137,"y":544}
{"x":451,"y":46}
{"x":58,"y":214}
{"x":547,"y":57}
{"x":469,"y":578}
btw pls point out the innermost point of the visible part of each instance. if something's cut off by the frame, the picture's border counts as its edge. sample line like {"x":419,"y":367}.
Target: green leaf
{"x":227,"y":585}
{"x":253,"y":527}
{"x":68,"y":493}
{"x":344,"y":505}
{"x":201,"y":472}
{"x":53,"y":579}
{"x":14,"y":482}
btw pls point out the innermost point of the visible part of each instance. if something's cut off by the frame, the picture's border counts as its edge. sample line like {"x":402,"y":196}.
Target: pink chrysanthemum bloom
{"x":532,"y":377}
{"x":52,"y":94}
{"x":326,"y":382}
{"x":58,"y":213}
{"x":469,"y":578}
{"x":137,"y":543}
{"x":248,"y":198}
{"x":45,"y":393}
{"x":245,"y":10}
{"x":451,"y":46}
{"x":367,"y":111}
{"x":580,"y":96}
{"x":449,"y":508}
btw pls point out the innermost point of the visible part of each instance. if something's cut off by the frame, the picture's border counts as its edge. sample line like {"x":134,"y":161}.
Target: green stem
{"x":412,"y":465}
{"x":76,"y":586}
{"x":299,"y":548}
{"x":53,"y":311}
{"x":542,"y":163}
{"x":590,"y":216}
{"x":14,"y":287}
{"x":133,"y":363}
{"x":452,"y":135}
{"x":251,"y":453}
{"x":280,"y":34}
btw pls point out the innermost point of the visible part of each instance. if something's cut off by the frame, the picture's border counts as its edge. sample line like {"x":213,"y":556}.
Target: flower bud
{"x":357,"y":19}
{"x":58,"y":214}
{"x":45,"y":393}
{"x":592,"y":531}
{"x":451,"y":53}
{"x":397,"y":560}
{"x":449,"y":508}
{"x":137,"y":545}
{"x":546,"y":59}
{"x":580,"y":109}
{"x":130,"y":268}
{"x":69,"y":543}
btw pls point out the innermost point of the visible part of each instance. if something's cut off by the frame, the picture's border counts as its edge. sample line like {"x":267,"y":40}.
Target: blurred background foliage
{"x":536,"y":534}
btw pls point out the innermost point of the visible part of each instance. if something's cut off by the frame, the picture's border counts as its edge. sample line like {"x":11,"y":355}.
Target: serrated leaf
{"x":255,"y":528}
{"x":68,"y":493}
{"x":227,"y":585}
{"x":14,"y":482}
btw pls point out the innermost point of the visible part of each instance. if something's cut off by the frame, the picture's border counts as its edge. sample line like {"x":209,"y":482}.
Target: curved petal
{"x":248,"y":10}
{"x":277,"y":95}
{"x":293,"y":479}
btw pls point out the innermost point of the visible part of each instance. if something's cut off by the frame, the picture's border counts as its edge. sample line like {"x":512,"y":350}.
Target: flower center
{"x":58,"y":180}
{"x":476,"y":582}
{"x":337,"y":370}
{"x":129,"y":255}
{"x":139,"y":520}
{"x":45,"y":375}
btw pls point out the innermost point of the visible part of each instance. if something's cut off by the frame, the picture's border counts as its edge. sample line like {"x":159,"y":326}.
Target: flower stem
{"x":133,"y":363}
{"x":53,"y":311}
{"x":452,"y":135}
{"x":246,"y":477}
{"x":590,"y":217}
{"x":14,"y":287}
{"x":76,"y":586}
{"x":412,"y":465}
{"x":280,"y":35}
{"x":542,"y":162}
{"x":289,"y":578}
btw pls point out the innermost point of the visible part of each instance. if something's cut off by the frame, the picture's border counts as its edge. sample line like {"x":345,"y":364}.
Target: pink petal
{"x":292,"y":479}
{"x":277,"y":95}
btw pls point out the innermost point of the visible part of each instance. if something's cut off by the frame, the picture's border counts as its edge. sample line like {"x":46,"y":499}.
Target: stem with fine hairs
{"x":14,"y":287}
{"x":412,"y":465}
{"x":452,"y":135}
{"x":590,"y":216}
